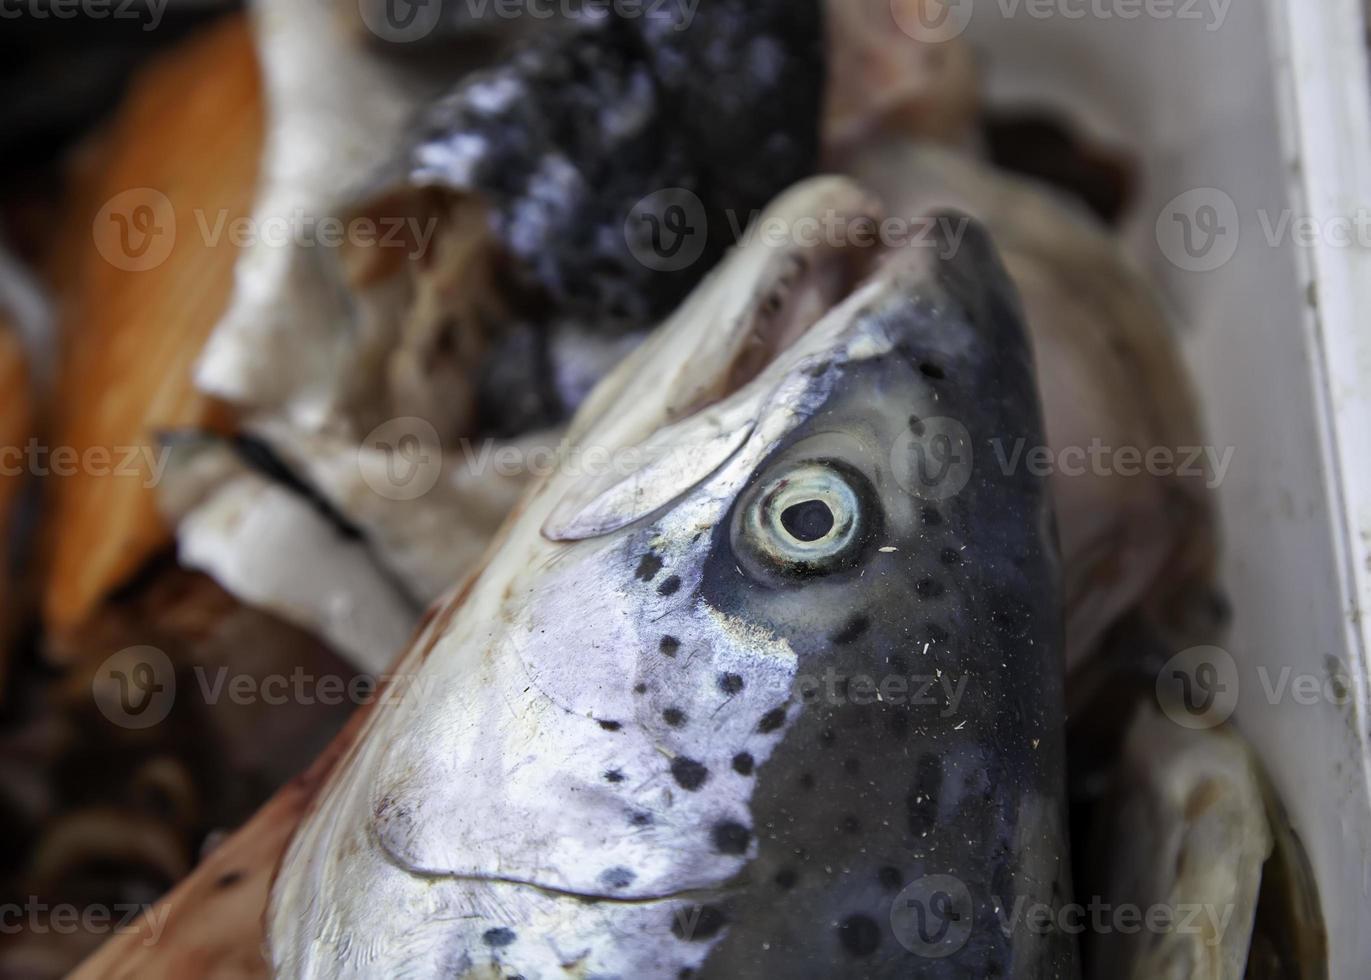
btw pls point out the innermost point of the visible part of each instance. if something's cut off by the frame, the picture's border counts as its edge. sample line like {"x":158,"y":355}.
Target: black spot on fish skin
{"x":692,"y":925}
{"x":639,"y":688}
{"x":730,"y":683}
{"x":854,"y":628}
{"x":614,"y":776}
{"x":688,"y":773}
{"x":786,"y":879}
{"x":498,"y":937}
{"x":640,"y":819}
{"x":743,"y":763}
{"x":1010,"y":617}
{"x":617,"y":877}
{"x":611,"y":726}
{"x":674,"y":717}
{"x":669,"y":645}
{"x":891,"y":878}
{"x":771,"y":721}
{"x":648,"y":567}
{"x":1220,"y":609}
{"x":731,"y":837}
{"x":669,"y":585}
{"x":859,"y":935}
{"x":929,"y":588}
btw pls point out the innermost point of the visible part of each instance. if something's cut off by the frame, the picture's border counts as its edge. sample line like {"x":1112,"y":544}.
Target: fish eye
{"x":810,"y":519}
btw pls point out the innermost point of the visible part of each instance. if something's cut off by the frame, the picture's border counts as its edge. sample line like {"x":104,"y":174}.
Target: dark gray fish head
{"x":764,"y":680}
{"x":911,"y":817}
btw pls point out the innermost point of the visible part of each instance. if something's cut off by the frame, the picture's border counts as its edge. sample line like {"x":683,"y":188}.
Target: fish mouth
{"x":687,"y":895}
{"x":761,"y":299}
{"x":797,"y":291}
{"x":802,"y":282}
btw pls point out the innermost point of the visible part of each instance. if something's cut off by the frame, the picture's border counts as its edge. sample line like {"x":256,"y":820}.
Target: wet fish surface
{"x":784,"y":699}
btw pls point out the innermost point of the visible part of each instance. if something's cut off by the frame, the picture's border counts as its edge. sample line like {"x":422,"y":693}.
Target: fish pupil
{"x":808,"y":520}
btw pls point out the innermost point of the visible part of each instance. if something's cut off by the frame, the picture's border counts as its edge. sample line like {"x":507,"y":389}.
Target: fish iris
{"x":809,"y":519}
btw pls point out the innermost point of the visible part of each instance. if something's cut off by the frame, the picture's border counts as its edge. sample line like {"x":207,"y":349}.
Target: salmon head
{"x":763,"y":679}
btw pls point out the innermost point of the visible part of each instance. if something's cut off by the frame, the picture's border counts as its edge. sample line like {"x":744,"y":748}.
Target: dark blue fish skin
{"x":865,"y":798}
{"x":721,"y":99}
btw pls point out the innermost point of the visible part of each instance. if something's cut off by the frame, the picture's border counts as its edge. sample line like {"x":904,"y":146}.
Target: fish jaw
{"x":599,"y":765}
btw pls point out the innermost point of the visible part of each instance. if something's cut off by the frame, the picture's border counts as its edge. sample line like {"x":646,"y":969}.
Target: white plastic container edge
{"x":1260,"y":109}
